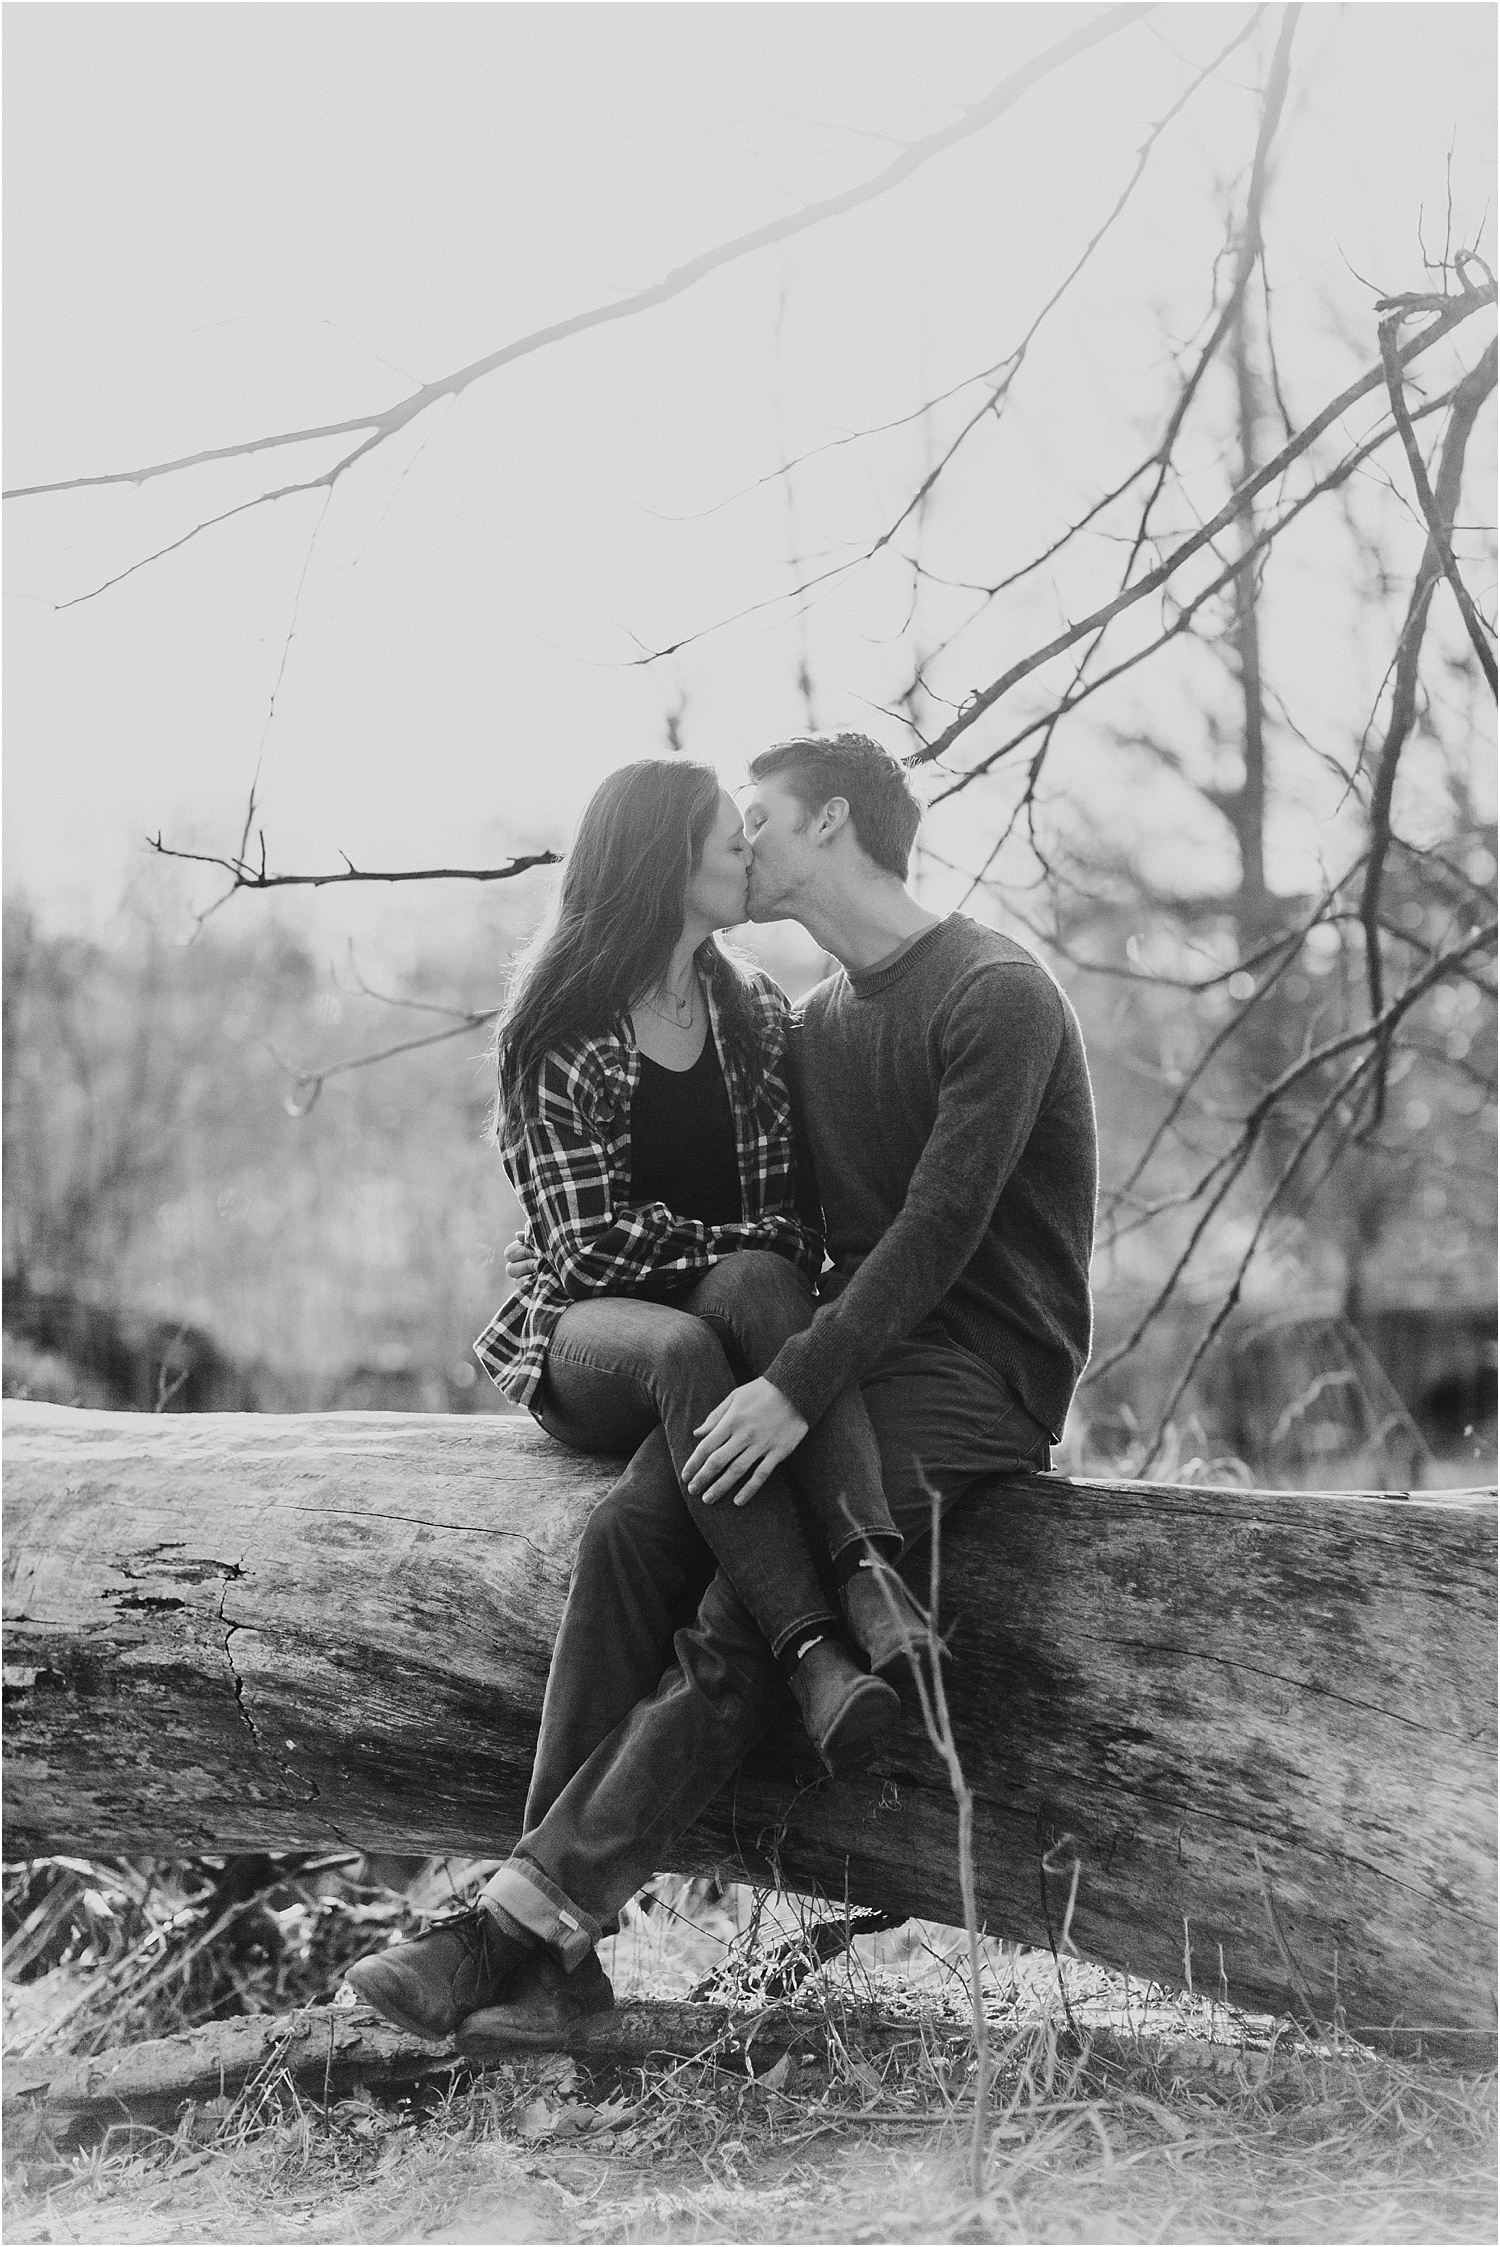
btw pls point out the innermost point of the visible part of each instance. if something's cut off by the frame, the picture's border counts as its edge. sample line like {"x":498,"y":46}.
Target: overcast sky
{"x":225,"y":220}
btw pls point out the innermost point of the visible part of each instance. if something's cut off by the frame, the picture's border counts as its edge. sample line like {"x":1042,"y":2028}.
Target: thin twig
{"x":1449,"y":314}
{"x":1183,"y":621}
{"x":307,"y":1084}
{"x":1341,"y":1092}
{"x":1230,"y":1165}
{"x":1249,"y":251}
{"x":1472,"y":392}
{"x":999,"y":376}
{"x":1439,"y":518}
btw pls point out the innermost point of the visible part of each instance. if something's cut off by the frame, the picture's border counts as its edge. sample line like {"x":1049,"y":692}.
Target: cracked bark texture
{"x":1259,"y":1724}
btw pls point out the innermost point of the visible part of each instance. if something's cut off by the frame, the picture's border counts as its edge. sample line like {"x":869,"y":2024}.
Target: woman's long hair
{"x":611,"y":935}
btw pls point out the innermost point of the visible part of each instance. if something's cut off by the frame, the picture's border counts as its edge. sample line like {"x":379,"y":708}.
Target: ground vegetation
{"x":1117,"y":2110}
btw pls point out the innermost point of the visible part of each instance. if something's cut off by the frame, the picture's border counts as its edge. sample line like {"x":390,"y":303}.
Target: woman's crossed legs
{"x":618,"y":1366}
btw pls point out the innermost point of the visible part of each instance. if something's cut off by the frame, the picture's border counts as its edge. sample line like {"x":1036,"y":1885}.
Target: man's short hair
{"x":883,"y":812}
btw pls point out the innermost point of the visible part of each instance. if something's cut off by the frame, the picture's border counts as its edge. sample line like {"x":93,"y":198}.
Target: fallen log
{"x":1241,"y":1738}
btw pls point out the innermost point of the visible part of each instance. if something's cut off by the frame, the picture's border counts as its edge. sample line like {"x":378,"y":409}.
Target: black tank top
{"x":682,"y":1148}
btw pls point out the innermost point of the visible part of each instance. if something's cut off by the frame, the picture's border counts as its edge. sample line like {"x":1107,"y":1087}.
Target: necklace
{"x":677,"y":1020}
{"x":686,"y":1021}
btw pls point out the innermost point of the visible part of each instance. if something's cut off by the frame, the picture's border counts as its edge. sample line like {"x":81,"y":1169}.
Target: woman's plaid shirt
{"x":571,"y":1171}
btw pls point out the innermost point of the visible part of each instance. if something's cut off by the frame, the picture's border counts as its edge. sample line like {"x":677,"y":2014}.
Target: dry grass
{"x":1332,"y":2147}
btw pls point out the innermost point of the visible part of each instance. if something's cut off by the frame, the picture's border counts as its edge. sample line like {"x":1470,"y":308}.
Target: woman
{"x":644,"y":1118}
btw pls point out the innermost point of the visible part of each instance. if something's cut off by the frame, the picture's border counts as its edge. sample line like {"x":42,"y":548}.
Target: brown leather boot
{"x":844,"y":1711}
{"x":883,"y":1618}
{"x":543,"y":2006}
{"x":427,"y":1986}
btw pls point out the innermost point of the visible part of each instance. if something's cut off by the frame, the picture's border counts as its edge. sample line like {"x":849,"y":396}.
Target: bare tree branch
{"x":990,"y":592}
{"x":385,"y":423}
{"x":1078,"y":693}
{"x":1249,"y":251}
{"x":1450,"y":313}
{"x":999,"y":376}
{"x":1439,"y":519}
{"x":1289,"y":945}
{"x":1228,"y":1167}
{"x":460,"y":1014}
{"x":1011,"y":365}
{"x":1250,"y":248}
{"x":1342,"y":1091}
{"x":1472,"y":392}
{"x":308,"y":1083}
{"x":245,"y":876}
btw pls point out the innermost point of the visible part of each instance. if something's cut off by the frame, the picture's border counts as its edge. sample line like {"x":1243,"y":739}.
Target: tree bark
{"x":1209,"y":1733}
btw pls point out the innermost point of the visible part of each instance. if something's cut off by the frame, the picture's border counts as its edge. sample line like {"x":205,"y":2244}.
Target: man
{"x":946,"y":1103}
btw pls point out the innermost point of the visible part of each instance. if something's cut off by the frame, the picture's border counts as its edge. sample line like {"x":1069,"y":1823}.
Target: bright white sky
{"x":223,"y":220}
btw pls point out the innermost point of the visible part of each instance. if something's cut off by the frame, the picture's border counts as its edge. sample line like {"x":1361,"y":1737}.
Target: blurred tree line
{"x":183,"y":1230}
{"x":174,"y":1237}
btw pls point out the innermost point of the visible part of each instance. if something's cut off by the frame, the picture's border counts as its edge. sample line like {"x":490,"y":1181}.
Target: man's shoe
{"x":543,"y":2006}
{"x":883,"y":1618}
{"x":427,"y":1986}
{"x":844,"y":1711}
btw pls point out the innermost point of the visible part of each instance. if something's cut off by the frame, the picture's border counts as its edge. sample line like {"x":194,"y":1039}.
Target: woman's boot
{"x":884,"y":1620}
{"x":845,"y":1711}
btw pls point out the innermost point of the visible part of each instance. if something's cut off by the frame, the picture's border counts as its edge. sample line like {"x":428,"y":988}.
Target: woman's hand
{"x":520,"y":1261}
{"x":743,"y":1438}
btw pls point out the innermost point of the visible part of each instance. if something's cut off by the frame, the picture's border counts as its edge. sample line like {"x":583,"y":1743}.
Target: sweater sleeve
{"x":997,"y":1051}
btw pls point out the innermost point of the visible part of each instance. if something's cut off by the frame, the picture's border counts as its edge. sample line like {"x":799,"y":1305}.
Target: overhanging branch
{"x":387,"y":422}
{"x":1437,"y":526}
{"x":1441,"y":510}
{"x":1080,"y":691}
{"x":245,"y":876}
{"x":1450,"y":314}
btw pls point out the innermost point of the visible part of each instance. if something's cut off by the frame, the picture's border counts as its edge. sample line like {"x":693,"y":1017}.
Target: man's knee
{"x":619,"y":1542}
{"x":606,"y":1540}
{"x":725,"y":1657}
{"x":641,"y":1526}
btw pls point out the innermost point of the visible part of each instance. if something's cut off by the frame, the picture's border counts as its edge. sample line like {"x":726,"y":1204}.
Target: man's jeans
{"x":661,"y":1683}
{"x":619,"y":1366}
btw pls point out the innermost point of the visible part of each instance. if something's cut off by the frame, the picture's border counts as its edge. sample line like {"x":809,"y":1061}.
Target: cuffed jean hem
{"x":819,"y":1620}
{"x":884,"y":1544}
{"x":523,"y":1890}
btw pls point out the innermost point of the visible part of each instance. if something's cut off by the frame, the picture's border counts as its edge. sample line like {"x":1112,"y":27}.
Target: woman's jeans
{"x":660,"y":1681}
{"x":617,"y":1366}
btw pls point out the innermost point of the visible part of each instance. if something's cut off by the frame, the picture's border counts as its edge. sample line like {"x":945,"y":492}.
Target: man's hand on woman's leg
{"x":744,"y":1440}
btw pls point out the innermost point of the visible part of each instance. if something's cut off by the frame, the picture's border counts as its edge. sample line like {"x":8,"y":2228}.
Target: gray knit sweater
{"x":947,"y":1105}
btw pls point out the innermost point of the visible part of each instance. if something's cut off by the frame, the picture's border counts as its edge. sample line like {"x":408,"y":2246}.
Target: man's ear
{"x":831,"y":819}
